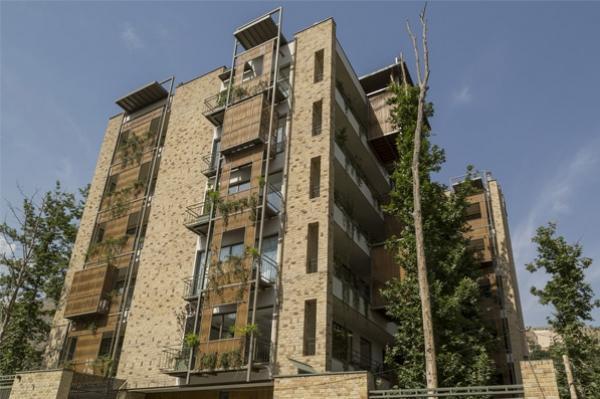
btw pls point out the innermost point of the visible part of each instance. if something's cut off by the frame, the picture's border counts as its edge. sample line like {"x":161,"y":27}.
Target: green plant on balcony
{"x":225,"y":361}
{"x":131,"y":148}
{"x":207,"y":361}
{"x":248,"y":329}
{"x":102,"y":365}
{"x":227,"y":207}
{"x":235,"y":358}
{"x":118,"y":200}
{"x":341,"y":136}
{"x":108,"y":248}
{"x":191,"y":340}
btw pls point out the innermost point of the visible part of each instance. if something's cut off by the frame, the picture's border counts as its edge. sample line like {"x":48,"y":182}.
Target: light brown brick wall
{"x":354,"y":385}
{"x":51,"y":384}
{"x":297,"y":285}
{"x":169,"y":248}
{"x":84,"y":235}
{"x":539,"y":379}
{"x":505,"y":263}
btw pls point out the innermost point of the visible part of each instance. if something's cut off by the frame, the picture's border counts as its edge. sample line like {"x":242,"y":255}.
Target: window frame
{"x":219,"y":314}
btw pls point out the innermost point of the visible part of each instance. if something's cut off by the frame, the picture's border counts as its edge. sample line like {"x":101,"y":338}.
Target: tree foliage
{"x":37,"y":245}
{"x":462,"y":339}
{"x":573,"y":301}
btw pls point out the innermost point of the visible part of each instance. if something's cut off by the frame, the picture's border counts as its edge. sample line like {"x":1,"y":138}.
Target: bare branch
{"x":404,"y":79}
{"x":425,"y":47}
{"x":416,"y":49}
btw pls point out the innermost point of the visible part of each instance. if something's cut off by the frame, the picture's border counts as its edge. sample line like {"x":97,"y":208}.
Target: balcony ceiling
{"x":381,"y":78}
{"x":142,"y":97}
{"x":257,"y":32}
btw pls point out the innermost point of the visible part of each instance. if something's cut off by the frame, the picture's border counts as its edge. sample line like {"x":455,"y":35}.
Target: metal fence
{"x":479,"y":392}
{"x":6,"y":382}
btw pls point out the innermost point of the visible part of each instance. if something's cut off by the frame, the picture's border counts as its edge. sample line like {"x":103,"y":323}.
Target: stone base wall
{"x":47,"y":384}
{"x":351,"y":385}
{"x":539,"y":379}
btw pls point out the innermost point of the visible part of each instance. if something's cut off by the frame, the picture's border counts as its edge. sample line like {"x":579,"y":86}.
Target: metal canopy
{"x":142,"y":97}
{"x":380,"y":79}
{"x":257,"y":32}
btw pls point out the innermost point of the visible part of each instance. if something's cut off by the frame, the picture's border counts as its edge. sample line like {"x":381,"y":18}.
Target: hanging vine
{"x":118,"y":200}
{"x":109,"y":248}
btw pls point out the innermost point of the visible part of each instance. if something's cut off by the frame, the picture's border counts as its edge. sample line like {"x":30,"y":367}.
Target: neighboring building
{"x":233,"y":231}
{"x":501,"y":302}
{"x":542,"y":337}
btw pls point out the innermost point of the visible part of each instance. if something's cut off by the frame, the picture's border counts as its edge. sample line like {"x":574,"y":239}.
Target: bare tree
{"x":422,"y":78}
{"x":17,"y":256}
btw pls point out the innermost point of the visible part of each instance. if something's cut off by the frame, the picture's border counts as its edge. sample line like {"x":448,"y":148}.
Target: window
{"x":253,"y":68}
{"x":310,"y":327}
{"x":231,"y":250}
{"x":477,"y":245}
{"x":312,"y":248}
{"x":111,"y":185}
{"x":342,"y":343}
{"x":144,"y":172}
{"x":222,"y":324}
{"x":319,"y":64}
{"x":71,"y":345}
{"x":317,"y":117}
{"x":365,"y":354}
{"x":315,"y":177}
{"x":132,"y":224}
{"x":239,"y":179}
{"x":123,"y":139}
{"x":105,"y":344}
{"x":99,"y":234}
{"x":486,"y":289}
{"x":154,"y":127}
{"x":473,"y":211}
{"x":280,"y":143}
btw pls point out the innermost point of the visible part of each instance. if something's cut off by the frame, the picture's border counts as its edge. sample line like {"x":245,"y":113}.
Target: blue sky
{"x":515,"y":88}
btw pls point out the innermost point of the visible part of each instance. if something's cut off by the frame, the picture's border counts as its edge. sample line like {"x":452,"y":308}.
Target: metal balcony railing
{"x":174,"y":360}
{"x":191,"y":288}
{"x":197,"y":214}
{"x":261,"y":351}
{"x":210,"y":164}
{"x":268,"y":270}
{"x":6,"y":383}
{"x":238,"y":93}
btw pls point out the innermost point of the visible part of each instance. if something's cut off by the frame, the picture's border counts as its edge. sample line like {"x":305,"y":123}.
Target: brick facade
{"x":352,"y":385}
{"x":539,"y":379}
{"x":47,"y":384}
{"x":301,"y":210}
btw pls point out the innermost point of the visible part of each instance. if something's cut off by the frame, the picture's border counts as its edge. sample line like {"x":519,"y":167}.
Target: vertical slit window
{"x":317,"y":117}
{"x":315,"y":177}
{"x":310,"y":327}
{"x":99,"y":233}
{"x":319,"y":65}
{"x":111,"y":185}
{"x":132,"y":224}
{"x":144,"y":173}
{"x":312,"y":250}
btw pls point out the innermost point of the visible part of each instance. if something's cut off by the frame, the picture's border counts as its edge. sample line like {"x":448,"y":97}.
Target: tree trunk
{"x":430,"y":353}
{"x":570,"y":380}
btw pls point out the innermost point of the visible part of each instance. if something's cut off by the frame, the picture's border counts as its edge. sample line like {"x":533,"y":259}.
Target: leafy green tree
{"x":36,"y":251}
{"x":573,"y":301}
{"x":463,"y":340}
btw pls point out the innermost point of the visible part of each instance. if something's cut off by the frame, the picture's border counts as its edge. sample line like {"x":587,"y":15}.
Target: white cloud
{"x":131,"y":37}
{"x":462,"y":96}
{"x":554,"y":200}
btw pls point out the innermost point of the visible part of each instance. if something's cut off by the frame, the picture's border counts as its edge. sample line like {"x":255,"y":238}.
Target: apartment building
{"x":233,"y":232}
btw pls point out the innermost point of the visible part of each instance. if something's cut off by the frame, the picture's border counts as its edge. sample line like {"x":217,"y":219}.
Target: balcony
{"x":350,"y":180}
{"x":191,"y":288}
{"x":89,"y":292}
{"x":351,"y":229}
{"x":355,"y":139}
{"x":196,"y":217}
{"x":269,"y":270}
{"x":174,"y":361}
{"x":210,"y":165}
{"x":245,"y":124}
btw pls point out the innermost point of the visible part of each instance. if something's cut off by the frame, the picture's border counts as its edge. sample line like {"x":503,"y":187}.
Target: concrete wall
{"x":352,"y":385}
{"x":169,"y":248}
{"x":84,"y":235}
{"x":297,"y":285}
{"x":539,"y":379}
{"x":47,"y":384}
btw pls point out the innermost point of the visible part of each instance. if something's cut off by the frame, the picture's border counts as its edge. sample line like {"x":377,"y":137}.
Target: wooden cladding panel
{"x":88,"y":290}
{"x":245,"y":122}
{"x":266,"y":50}
{"x":383,"y":269}
{"x":379,"y":118}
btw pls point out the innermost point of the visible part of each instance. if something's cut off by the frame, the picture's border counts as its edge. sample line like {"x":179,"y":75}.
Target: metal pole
{"x":265,"y":192}
{"x":204,"y":269}
{"x":138,"y":234}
